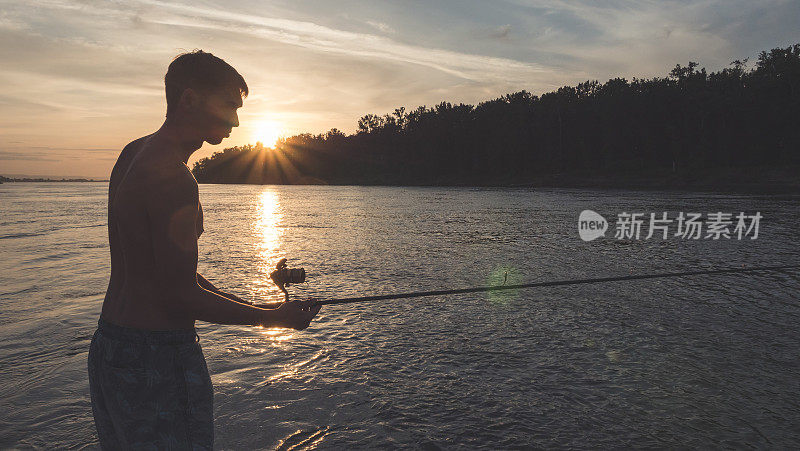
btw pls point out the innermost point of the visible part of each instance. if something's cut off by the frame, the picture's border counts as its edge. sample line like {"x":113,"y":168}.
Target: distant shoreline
{"x":744,"y":190}
{"x":749,"y":180}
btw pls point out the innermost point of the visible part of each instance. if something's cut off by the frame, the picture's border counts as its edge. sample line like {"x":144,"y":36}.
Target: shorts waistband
{"x":154,"y":337}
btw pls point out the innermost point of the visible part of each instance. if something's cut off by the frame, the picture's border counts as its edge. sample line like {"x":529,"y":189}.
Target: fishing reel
{"x":284,"y":276}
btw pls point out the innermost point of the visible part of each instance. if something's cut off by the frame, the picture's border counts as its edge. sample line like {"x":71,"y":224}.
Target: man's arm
{"x":172,"y":206}
{"x":205,"y":283}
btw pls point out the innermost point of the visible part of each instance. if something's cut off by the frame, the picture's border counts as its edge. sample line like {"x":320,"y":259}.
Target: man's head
{"x":204,"y":92}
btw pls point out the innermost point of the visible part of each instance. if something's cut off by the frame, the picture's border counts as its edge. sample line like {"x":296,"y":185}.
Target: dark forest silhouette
{"x":677,"y":130}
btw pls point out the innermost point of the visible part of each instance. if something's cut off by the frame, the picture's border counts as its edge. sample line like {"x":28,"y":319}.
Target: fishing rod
{"x":283,"y":276}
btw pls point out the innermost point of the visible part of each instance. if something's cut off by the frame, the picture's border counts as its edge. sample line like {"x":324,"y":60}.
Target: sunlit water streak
{"x":267,"y":233}
{"x":700,"y":362}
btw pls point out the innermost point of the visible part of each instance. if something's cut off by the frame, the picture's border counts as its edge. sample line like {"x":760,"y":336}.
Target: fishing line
{"x":554,"y":283}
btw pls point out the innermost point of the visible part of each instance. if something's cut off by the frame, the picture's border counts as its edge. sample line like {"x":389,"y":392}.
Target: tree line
{"x":687,"y":122}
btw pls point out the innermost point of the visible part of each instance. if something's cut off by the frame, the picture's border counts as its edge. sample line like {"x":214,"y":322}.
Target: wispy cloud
{"x":381,"y":26}
{"x":323,"y":39}
{"x":502,"y":32}
{"x":26,"y":155}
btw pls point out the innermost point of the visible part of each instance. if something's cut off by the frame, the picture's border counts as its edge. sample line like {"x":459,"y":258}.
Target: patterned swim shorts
{"x":150,"y":389}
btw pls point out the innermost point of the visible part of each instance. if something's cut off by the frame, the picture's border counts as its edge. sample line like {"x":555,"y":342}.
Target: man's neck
{"x":178,"y":139}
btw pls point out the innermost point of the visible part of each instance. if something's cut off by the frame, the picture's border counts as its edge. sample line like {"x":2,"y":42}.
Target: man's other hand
{"x":298,"y":314}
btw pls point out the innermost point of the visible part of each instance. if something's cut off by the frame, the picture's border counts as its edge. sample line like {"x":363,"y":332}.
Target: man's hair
{"x":200,"y":71}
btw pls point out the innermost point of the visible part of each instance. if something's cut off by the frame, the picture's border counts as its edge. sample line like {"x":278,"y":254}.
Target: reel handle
{"x":284,"y":276}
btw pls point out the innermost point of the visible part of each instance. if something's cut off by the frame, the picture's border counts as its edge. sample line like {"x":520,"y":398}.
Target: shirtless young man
{"x":148,"y":378}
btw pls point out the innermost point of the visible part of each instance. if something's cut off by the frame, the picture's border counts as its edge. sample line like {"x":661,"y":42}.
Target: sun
{"x":267,"y":132}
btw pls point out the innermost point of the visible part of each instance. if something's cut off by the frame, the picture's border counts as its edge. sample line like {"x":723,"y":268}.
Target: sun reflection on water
{"x":270,"y":215}
{"x":277,"y":334}
{"x":270,"y":236}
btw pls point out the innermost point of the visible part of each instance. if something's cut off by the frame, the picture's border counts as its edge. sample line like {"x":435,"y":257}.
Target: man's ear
{"x":190,"y":100}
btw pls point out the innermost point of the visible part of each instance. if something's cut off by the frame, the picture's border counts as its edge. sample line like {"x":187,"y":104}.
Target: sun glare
{"x":267,"y":132}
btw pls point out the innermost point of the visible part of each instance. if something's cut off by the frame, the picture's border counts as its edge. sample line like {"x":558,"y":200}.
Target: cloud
{"x":81,"y":149}
{"x":328,"y":40}
{"x":645,"y":37}
{"x":382,"y":27}
{"x":502,"y":32}
{"x":26,"y":156}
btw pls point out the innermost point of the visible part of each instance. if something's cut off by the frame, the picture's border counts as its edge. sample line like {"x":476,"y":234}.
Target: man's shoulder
{"x":136,"y":144}
{"x":131,"y":151}
{"x":155,"y":178}
{"x":166,"y":179}
{"x":125,"y":159}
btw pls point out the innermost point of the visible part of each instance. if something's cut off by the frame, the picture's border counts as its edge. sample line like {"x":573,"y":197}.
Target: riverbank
{"x":738,"y":180}
{"x":752,"y":180}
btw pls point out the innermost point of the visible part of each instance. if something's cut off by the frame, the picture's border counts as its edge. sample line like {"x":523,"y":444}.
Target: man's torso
{"x":134,"y":297}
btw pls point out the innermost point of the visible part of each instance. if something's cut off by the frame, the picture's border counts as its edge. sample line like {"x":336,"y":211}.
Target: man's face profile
{"x":217,"y":113}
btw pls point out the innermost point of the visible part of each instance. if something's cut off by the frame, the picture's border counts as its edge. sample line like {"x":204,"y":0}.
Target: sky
{"x":81,"y":79}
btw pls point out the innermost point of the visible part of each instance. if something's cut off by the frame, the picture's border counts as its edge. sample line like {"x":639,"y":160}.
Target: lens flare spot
{"x":503,"y":275}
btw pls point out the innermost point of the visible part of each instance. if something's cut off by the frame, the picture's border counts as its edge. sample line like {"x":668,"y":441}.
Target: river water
{"x":696,"y":362}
